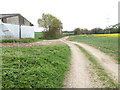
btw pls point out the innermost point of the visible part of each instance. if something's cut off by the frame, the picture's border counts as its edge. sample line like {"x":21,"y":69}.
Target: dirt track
{"x":106,"y":61}
{"x":78,"y":76}
{"x":39,"y":43}
{"x":80,"y":66}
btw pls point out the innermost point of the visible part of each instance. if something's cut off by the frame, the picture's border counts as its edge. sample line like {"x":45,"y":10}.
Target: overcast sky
{"x":72,"y":13}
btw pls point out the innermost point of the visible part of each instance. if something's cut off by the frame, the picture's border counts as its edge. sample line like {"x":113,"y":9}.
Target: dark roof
{"x":7,"y":15}
{"x":12,"y":15}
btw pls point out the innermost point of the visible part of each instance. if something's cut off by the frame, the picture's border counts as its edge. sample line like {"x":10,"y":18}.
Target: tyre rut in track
{"x":105,"y":60}
{"x":78,"y":75}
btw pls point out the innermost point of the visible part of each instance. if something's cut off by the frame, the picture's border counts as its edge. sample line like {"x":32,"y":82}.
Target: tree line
{"x":53,"y":27}
{"x":109,"y":30}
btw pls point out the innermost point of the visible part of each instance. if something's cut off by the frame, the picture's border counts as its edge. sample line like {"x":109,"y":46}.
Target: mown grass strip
{"x":103,"y":76}
{"x":35,"y":67}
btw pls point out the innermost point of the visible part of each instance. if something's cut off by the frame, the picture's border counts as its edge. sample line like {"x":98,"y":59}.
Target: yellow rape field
{"x":111,"y":35}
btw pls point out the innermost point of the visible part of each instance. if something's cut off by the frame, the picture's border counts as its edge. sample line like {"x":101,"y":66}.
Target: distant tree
{"x":97,"y":31}
{"x":115,"y":28}
{"x":85,"y":31}
{"x":112,"y":29}
{"x":77,"y":31}
{"x":52,"y":26}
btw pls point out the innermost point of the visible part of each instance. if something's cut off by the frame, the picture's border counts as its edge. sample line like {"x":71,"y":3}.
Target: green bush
{"x":52,"y":34}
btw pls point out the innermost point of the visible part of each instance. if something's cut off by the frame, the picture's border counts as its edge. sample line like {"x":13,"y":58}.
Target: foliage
{"x":35,"y":67}
{"x":51,"y":25}
{"x":107,"y":30}
{"x":77,"y":31}
{"x":113,"y":28}
{"x":52,"y":34}
{"x":96,"y":31}
{"x":49,"y":22}
{"x":104,"y":43}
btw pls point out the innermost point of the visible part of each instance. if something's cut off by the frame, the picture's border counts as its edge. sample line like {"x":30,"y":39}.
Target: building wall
{"x":11,"y":26}
{"x":11,"y":31}
{"x":27,"y":32}
{"x":21,"y":20}
{"x":13,"y":20}
{"x":0,"y":21}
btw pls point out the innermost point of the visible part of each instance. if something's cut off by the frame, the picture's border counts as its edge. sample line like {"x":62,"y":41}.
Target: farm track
{"x":106,"y":61}
{"x":80,"y":68}
{"x":110,"y":67}
{"x":78,"y":75}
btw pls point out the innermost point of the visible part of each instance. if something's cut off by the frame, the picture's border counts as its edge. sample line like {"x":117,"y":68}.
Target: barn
{"x":15,"y":26}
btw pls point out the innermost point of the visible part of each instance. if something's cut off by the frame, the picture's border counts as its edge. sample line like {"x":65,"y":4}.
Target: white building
{"x":15,"y":26}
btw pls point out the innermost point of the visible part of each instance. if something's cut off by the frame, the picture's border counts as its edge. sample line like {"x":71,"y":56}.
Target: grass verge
{"x":34,"y":67}
{"x":38,"y":37}
{"x":23,"y":40}
{"x":103,"y":77}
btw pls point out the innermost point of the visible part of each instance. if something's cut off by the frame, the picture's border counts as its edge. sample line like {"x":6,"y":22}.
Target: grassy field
{"x":106,"y":43}
{"x":34,"y":67}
